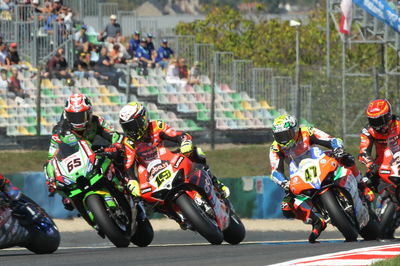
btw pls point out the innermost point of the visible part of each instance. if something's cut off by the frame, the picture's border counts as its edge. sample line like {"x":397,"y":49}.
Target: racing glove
{"x":338,"y":152}
{"x":68,"y":204}
{"x":366,"y":191}
{"x":224,"y":190}
{"x":133,"y":186}
{"x":51,"y":186}
{"x":186,"y":147}
{"x":373,"y":168}
{"x":285,"y":185}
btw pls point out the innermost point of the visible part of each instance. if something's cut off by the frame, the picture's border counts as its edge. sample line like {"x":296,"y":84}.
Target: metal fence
{"x":203,"y":54}
{"x":223,"y":68}
{"x":242,"y":76}
{"x":261,"y":83}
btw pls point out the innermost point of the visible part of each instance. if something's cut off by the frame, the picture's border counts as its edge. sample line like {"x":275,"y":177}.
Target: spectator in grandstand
{"x":164,"y":54}
{"x":194,"y":73}
{"x":134,"y":44}
{"x":150,"y":44}
{"x":3,"y":54}
{"x":144,"y":56}
{"x":57,"y":66}
{"x":81,"y":40}
{"x":14,"y":85}
{"x":13,"y":57}
{"x":94,"y":54}
{"x":48,"y":27}
{"x":81,"y":69}
{"x":66,"y":13}
{"x":3,"y":81}
{"x":153,"y":59}
{"x":116,"y":54}
{"x":1,"y":39}
{"x":112,"y":29}
{"x":105,"y":66}
{"x":183,"y":70}
{"x":56,"y":5}
{"x":47,"y":7}
{"x":36,"y":6}
{"x":60,"y":31}
{"x":6,"y":5}
{"x":172,"y":76}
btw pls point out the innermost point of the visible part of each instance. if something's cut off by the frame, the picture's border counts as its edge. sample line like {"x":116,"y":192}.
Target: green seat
{"x":32,"y":130}
{"x":229,"y":114}
{"x":203,"y":116}
{"x":58,"y":109}
{"x":238,"y":106}
{"x":207,"y":88}
{"x":274,"y":113}
{"x":201,"y":107}
{"x":93,"y":39}
{"x":115,"y":99}
{"x":236,"y":97}
{"x":48,"y":92}
{"x":193,"y":126}
{"x":153,"y":115}
{"x":30,"y":120}
{"x":153,"y":90}
{"x":86,"y":91}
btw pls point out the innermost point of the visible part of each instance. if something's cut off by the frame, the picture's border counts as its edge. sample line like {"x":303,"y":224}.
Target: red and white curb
{"x":362,"y":256}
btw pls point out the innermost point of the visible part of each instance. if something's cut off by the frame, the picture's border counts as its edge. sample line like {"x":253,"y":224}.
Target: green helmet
{"x":284,"y":129}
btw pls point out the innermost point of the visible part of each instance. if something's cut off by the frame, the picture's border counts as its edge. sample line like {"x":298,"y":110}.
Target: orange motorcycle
{"x":319,"y":181}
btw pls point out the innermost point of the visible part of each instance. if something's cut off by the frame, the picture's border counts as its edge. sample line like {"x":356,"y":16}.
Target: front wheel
{"x":235,"y":232}
{"x":387,"y":221}
{"x":144,"y":233}
{"x":338,"y":216}
{"x":199,"y":220}
{"x":107,"y":225}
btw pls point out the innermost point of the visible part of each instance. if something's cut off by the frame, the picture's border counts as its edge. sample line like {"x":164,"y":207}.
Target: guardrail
{"x":253,"y":197}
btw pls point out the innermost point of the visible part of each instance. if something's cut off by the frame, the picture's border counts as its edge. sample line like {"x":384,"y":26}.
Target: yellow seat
{"x":239,"y":115}
{"x":4,"y":113}
{"x":44,"y":122}
{"x":46,"y":83}
{"x":3,"y":103}
{"x":106,"y":100}
{"x":104,"y":91}
{"x":265,"y":105}
{"x":23,"y":130}
{"x":246,"y":105}
{"x":135,"y":82}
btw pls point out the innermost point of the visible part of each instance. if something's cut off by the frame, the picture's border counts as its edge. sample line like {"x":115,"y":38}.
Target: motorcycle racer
{"x":137,"y":127}
{"x":383,"y":129}
{"x":77,"y":120}
{"x":9,"y":189}
{"x":293,"y":143}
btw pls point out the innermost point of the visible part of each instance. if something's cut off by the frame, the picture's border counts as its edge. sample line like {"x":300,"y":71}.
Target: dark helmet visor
{"x":380,"y":122}
{"x":80,"y":118}
{"x":135,"y":128}
{"x":284,"y":137}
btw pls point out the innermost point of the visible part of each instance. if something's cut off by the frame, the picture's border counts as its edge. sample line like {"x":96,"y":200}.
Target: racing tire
{"x":44,"y":239}
{"x":371,"y":230}
{"x":386,"y":226}
{"x":95,"y":204}
{"x":235,"y":232}
{"x":144,"y":233}
{"x":199,"y":220}
{"x":338,"y":216}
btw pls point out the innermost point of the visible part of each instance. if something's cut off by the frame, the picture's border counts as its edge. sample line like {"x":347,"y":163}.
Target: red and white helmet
{"x":134,"y":120}
{"x":78,"y":111}
{"x":379,"y":113}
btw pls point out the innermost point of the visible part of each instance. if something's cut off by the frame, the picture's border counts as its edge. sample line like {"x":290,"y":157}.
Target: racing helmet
{"x":134,"y":120}
{"x":379,"y":113}
{"x":78,"y":111}
{"x":284,"y":129}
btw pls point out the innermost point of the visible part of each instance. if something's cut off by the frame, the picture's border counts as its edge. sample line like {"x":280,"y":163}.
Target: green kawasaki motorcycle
{"x":95,"y":187}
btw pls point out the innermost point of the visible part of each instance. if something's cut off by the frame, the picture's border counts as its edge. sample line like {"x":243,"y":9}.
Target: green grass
{"x":390,"y":262}
{"x":232,"y":162}
{"x":235,"y":161}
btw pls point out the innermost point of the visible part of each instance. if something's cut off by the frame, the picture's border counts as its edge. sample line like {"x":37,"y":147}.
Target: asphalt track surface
{"x":184,"y":248}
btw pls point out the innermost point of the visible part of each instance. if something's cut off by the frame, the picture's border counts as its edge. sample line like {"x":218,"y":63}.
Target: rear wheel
{"x":339,"y":217}
{"x":200,"y":220}
{"x":144,"y":234}
{"x":107,"y":225}
{"x":235,"y":232}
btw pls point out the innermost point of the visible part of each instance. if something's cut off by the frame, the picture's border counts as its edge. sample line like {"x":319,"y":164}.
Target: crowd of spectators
{"x":97,"y":57}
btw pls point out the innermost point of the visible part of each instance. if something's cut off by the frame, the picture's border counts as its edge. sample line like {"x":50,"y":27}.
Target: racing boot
{"x":318,"y":225}
{"x":68,"y":204}
{"x":222,"y":189}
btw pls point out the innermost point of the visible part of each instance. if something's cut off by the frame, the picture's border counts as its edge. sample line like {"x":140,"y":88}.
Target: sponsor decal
{"x":178,"y":162}
{"x":146,"y":190}
{"x":384,"y":171}
{"x":163,"y":151}
{"x":158,"y":167}
{"x":323,"y":161}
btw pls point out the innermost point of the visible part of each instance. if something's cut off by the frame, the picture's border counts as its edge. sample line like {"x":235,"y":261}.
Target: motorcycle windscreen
{"x":66,"y":150}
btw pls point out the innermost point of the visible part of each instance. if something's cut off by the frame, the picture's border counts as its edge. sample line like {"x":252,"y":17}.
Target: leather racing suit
{"x":306,"y":137}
